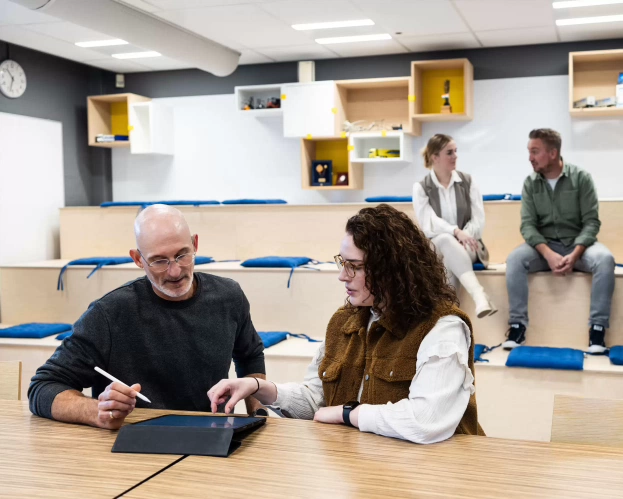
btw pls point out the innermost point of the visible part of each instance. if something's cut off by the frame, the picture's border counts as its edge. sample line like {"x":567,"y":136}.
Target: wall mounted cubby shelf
{"x":334,"y":149}
{"x":595,"y":74}
{"x":362,"y":145}
{"x":428,"y":85}
{"x":259,"y":93}
{"x":148,"y":124}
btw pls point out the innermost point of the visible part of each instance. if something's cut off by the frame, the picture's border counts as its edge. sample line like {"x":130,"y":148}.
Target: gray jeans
{"x":596,"y":260}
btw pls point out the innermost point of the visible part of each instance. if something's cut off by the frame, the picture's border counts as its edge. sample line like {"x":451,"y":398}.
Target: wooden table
{"x":289,"y":458}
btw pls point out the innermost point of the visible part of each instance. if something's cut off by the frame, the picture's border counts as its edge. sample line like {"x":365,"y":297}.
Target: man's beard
{"x":172,"y":293}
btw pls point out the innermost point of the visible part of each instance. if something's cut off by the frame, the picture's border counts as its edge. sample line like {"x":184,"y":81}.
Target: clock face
{"x":12,"y":79}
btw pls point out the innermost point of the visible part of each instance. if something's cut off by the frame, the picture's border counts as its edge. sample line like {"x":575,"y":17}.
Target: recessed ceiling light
{"x":351,"y":39}
{"x":336,"y":24}
{"x":589,"y":20}
{"x":101,"y":43}
{"x":583,"y":3}
{"x":136,"y":55}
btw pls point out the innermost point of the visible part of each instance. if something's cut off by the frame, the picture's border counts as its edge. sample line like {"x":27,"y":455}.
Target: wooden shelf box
{"x":151,"y":128}
{"x":361,"y":143}
{"x":596,"y":74}
{"x":384,"y":101}
{"x":108,"y":114}
{"x":428,"y":86}
{"x":263,"y":92}
{"x":336,"y":150}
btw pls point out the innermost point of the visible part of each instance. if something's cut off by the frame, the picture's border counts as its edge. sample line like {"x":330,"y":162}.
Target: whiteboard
{"x":31,"y":188}
{"x":224,"y":154}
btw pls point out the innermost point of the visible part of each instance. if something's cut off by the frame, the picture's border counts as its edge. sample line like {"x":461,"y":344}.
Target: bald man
{"x":173,"y":332}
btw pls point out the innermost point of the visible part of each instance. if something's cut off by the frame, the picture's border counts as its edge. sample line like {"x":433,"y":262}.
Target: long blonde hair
{"x":435,"y":145}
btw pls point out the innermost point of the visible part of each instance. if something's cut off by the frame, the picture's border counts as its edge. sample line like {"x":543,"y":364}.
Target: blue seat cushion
{"x":62,"y":336}
{"x":273,"y":337}
{"x":98,"y":261}
{"x":277,"y":261}
{"x":201,"y":260}
{"x":34,"y":330}
{"x":479,"y":349}
{"x":616,"y":355}
{"x":478,"y":266}
{"x":147,"y":203}
{"x":546,"y":358}
{"x":255,"y":201}
{"x":390,"y":199}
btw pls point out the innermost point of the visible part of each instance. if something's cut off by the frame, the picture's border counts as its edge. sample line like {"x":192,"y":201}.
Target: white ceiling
{"x":261,"y":29}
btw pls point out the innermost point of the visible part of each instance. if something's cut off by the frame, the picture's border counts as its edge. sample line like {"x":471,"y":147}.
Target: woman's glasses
{"x":350,"y":268}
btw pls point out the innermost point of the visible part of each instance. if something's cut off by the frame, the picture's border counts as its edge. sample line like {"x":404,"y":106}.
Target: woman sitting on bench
{"x":397,"y":359}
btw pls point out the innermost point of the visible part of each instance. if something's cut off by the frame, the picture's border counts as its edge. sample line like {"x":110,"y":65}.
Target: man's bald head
{"x":159,"y":224}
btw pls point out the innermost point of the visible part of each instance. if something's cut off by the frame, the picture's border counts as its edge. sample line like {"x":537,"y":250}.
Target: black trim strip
{"x":150,"y":477}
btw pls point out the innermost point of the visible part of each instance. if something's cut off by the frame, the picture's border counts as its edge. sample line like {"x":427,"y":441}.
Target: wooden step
{"x":512,"y":402}
{"x":559,"y":306}
{"x":250,"y":231}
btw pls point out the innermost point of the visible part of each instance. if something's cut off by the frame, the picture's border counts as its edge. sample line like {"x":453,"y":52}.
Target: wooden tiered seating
{"x":513,"y":403}
{"x":241,"y":232}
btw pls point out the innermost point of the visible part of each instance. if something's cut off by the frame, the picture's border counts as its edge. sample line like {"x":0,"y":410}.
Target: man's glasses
{"x":163,"y":265}
{"x":350,"y":268}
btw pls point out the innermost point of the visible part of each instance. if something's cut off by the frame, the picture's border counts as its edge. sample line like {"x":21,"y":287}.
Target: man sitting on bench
{"x":560,"y":222}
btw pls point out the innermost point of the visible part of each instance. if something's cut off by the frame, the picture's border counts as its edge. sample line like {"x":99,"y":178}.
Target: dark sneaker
{"x":516,"y":336}
{"x":596,"y":343}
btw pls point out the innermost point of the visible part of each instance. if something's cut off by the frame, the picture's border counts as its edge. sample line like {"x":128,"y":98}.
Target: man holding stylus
{"x":173,"y":333}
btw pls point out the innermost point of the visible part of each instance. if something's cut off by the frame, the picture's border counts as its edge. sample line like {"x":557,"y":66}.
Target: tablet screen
{"x":202,"y":421}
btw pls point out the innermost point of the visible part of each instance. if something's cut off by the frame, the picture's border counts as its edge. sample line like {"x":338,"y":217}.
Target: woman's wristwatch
{"x":346,"y":410}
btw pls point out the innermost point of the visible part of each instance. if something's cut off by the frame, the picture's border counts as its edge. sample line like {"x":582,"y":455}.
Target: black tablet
{"x":238,"y":424}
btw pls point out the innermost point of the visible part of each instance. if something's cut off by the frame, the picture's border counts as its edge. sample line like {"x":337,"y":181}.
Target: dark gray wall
{"x":57,"y":90}
{"x":489,"y":63}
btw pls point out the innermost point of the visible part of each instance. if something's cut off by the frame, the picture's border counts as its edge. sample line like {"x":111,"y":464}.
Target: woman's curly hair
{"x":403,"y":272}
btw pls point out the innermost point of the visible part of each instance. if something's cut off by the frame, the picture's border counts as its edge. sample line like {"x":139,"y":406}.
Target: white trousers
{"x":456,"y":258}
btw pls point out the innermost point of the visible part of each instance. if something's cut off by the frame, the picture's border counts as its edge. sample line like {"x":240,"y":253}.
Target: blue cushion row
{"x":272,"y":338}
{"x":409,"y":199}
{"x":34,"y":330}
{"x":192,"y":203}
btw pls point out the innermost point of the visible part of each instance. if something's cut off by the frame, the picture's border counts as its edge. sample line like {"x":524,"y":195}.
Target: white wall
{"x":223,"y":154}
{"x":31,"y":188}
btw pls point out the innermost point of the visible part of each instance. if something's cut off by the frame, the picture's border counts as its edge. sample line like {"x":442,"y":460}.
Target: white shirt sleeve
{"x":439,"y":392}
{"x":429,"y":222}
{"x":476,"y":225}
{"x":302,"y":400}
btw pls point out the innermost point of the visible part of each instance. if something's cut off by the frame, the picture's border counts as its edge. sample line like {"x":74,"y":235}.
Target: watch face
{"x":12,"y":79}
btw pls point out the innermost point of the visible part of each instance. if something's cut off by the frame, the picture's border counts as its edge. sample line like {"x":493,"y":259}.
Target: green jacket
{"x":569,"y":214}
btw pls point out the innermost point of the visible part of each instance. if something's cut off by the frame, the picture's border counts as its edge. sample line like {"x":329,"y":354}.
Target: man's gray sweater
{"x":176,"y":350}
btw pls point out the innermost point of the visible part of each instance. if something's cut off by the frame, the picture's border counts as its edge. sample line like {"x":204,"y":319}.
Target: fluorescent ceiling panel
{"x":136,"y":55}
{"x":102,"y":43}
{"x":583,"y":3}
{"x":353,"y":39}
{"x":589,"y":20}
{"x":335,"y":24}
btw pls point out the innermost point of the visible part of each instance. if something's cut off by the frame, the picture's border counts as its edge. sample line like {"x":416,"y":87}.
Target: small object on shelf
{"x":383,"y":153}
{"x":322,"y":172}
{"x":396,"y":127}
{"x":273,"y":103}
{"x":446,"y":108}
{"x":342,"y":179}
{"x":260,"y":104}
{"x":111,"y":138}
{"x":249,"y":105}
{"x":607,"y":102}
{"x":586,"y":102}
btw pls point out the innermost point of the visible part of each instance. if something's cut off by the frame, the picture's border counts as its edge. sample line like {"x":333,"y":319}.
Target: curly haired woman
{"x":397,"y":359}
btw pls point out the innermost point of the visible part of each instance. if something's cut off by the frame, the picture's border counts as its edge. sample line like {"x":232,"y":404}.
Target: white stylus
{"x":112,"y":378}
